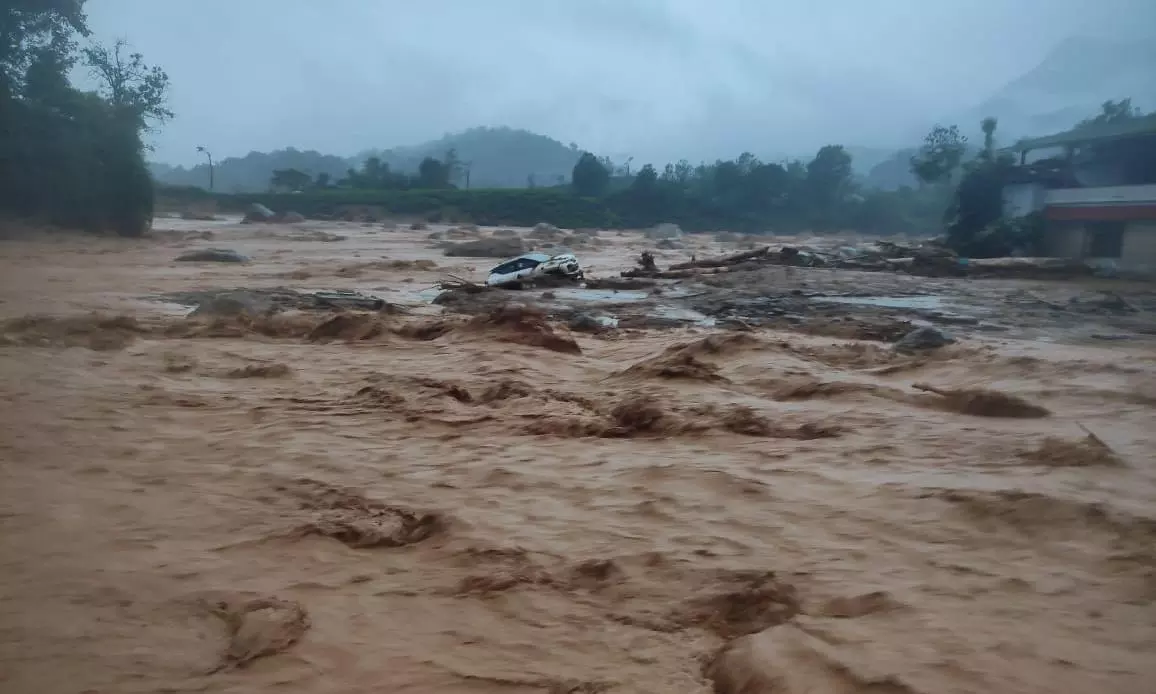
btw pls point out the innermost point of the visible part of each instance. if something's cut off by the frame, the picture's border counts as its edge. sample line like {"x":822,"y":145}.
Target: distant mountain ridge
{"x":1069,"y":85}
{"x":495,"y":158}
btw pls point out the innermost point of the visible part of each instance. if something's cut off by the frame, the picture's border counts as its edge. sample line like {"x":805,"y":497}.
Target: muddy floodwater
{"x":732,"y":486}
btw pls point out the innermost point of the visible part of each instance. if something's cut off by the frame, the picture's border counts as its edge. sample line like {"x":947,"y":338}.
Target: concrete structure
{"x":1095,"y":207}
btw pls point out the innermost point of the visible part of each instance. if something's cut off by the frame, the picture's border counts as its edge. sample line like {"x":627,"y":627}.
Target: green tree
{"x":646,"y":179}
{"x":32,"y":29}
{"x":1112,"y":112}
{"x":940,"y":156}
{"x":433,"y":174}
{"x":290,"y":179}
{"x":988,"y":126}
{"x":590,"y":177}
{"x":828,"y":184}
{"x":67,"y":157}
{"x":128,"y":84}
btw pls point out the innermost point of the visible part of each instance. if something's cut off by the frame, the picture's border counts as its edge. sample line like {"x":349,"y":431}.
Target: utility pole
{"x":208,"y":154}
{"x":468,"y":166}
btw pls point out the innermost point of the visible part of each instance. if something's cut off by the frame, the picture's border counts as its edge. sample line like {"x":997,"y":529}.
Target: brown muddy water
{"x":415,"y":502}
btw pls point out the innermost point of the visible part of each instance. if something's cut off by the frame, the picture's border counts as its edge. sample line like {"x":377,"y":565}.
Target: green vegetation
{"x":485,"y":158}
{"x":744,"y":194}
{"x":591,"y":177}
{"x":960,"y":195}
{"x":252,"y":172}
{"x":69,"y":157}
{"x":495,"y":206}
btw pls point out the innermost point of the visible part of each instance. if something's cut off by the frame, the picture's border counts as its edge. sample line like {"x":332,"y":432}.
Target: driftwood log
{"x":726,"y":260}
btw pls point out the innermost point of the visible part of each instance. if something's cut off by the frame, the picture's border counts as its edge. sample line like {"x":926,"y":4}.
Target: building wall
{"x":1021,"y":199}
{"x":1107,"y":195}
{"x":1139,"y":250}
{"x":1065,"y":240}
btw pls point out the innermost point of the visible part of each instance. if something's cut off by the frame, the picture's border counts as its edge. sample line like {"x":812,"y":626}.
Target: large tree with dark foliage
{"x":69,"y":157}
{"x":940,"y":156}
{"x":590,"y":177}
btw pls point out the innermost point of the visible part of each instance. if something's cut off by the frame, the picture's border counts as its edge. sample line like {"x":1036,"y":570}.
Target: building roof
{"x":1144,"y":125}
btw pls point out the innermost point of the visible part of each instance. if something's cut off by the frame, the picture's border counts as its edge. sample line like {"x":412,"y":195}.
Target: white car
{"x":530,"y":266}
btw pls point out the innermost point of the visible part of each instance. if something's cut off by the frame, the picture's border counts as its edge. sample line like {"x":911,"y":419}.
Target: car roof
{"x":540,"y":257}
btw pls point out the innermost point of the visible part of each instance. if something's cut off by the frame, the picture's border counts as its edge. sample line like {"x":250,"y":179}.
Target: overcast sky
{"x":659,"y":79}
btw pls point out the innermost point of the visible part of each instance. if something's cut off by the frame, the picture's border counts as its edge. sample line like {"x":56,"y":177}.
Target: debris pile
{"x":930,"y":258}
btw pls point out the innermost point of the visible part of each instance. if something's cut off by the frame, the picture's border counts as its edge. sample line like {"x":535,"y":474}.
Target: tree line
{"x":376,"y":174}
{"x":959,"y":191}
{"x":71,"y":157}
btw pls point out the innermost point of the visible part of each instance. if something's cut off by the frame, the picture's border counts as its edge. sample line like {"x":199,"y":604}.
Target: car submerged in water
{"x":535,"y":268}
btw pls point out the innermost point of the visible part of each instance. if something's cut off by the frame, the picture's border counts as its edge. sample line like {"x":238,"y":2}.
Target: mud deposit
{"x":306,"y":501}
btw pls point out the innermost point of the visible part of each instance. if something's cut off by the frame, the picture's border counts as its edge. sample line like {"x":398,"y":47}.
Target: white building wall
{"x":1101,"y":196}
{"x":1065,"y":240}
{"x":1022,"y":199}
{"x":1138,"y":253}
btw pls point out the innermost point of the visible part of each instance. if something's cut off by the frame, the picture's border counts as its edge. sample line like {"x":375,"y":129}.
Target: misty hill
{"x":251,"y":173}
{"x":1069,"y":85}
{"x":496,"y":157}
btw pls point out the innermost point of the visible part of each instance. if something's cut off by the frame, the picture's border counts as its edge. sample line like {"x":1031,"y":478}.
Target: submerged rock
{"x":923,"y":339}
{"x":258,"y":213}
{"x":213,"y":255}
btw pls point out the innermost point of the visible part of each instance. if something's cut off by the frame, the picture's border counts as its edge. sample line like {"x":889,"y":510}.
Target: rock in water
{"x":586,"y":323}
{"x":923,"y":339}
{"x":292,"y":218}
{"x":213,"y":255}
{"x":223,"y":306}
{"x":258,"y":213}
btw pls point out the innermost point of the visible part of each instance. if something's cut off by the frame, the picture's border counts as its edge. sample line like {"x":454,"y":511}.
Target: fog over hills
{"x":659,"y":81}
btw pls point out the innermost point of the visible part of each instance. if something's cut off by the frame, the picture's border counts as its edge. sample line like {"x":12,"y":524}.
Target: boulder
{"x":258,"y":213}
{"x":224,"y":306}
{"x":923,"y":339}
{"x":587,"y":323}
